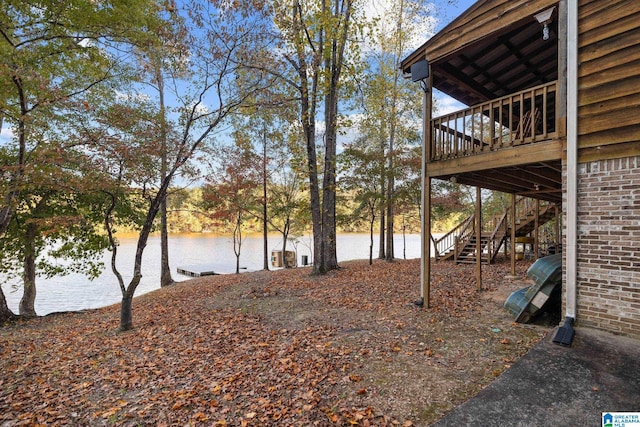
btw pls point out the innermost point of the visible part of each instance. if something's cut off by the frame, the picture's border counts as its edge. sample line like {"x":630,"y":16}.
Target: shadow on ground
{"x":556,"y":385}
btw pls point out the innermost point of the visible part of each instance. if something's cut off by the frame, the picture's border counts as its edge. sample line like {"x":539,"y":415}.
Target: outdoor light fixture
{"x":420,"y":73}
{"x":420,"y":70}
{"x":544,"y":18}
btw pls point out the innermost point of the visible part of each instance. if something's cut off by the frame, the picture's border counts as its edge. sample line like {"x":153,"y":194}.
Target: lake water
{"x":200,"y":251}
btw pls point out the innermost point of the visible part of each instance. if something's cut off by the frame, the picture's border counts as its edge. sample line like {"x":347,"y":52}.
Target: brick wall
{"x":608,"y":246}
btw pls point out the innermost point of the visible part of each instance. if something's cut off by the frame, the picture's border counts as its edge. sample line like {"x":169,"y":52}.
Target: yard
{"x":271,"y":348}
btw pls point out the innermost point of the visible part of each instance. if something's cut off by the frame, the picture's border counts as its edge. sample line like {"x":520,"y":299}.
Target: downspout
{"x":572,"y":155}
{"x":565,"y":333}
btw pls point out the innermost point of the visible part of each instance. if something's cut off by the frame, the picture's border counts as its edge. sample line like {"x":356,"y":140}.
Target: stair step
{"x":473,"y":261}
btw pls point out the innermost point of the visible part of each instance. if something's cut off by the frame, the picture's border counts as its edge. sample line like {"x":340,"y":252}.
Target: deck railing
{"x":521,"y":118}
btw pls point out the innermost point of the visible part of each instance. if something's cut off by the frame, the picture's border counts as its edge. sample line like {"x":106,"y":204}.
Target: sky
{"x":445,"y":103}
{"x":451,"y":9}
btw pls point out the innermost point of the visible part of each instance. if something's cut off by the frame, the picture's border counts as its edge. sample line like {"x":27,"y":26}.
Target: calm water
{"x":200,"y":251}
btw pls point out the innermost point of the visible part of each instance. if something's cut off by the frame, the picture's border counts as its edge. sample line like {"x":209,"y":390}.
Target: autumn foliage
{"x":267,"y":348}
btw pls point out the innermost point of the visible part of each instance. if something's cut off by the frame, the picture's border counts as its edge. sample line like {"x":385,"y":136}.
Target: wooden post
{"x":478,"y":238}
{"x":561,"y":92}
{"x":427,"y":137}
{"x":556,"y":236}
{"x":513,"y":234}
{"x":426,"y":280}
{"x":536,"y":236}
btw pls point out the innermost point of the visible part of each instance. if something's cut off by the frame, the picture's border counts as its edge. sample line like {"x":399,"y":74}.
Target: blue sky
{"x":452,"y":11}
{"x":446,"y":104}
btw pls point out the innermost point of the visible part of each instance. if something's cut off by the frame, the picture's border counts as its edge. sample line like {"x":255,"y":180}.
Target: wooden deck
{"x":510,"y":144}
{"x":521,"y":118}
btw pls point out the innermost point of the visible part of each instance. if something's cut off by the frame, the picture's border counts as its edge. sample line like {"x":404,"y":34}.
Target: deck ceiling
{"x":541,"y":180}
{"x":502,"y":63}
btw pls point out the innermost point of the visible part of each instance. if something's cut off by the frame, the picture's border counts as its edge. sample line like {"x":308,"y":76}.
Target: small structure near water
{"x":290,"y":259}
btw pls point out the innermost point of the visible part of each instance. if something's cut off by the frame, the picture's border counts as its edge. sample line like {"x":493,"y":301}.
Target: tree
{"x":286,"y":202}
{"x":154,"y":61}
{"x":258,"y":129}
{"x":51,"y":234}
{"x":313,"y":37}
{"x":388,"y":100}
{"x":220,"y":35}
{"x":362,"y":166}
{"x":51,"y":54}
{"x":230,"y":191}
{"x":53,"y":229}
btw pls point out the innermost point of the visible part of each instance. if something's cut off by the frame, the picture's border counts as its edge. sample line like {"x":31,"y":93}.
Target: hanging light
{"x":544,"y":18}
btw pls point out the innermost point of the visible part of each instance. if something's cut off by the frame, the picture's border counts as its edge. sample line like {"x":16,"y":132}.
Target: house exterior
{"x":553,"y":89}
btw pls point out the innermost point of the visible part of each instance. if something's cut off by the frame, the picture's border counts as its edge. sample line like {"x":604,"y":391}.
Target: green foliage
{"x":65,"y":237}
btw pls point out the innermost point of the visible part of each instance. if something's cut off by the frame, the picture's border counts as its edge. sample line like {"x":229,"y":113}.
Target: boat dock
{"x":195,"y":272}
{"x":200,"y":271}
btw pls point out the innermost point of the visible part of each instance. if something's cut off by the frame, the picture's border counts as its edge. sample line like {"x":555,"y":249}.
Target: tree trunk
{"x":308,"y":120}
{"x":5,"y":313}
{"x":165,"y":270}
{"x":265,"y":228}
{"x":399,"y":51}
{"x":316,"y":214}
{"x":126,"y":307}
{"x":237,"y":240}
{"x":307,"y":117}
{"x":382,"y":239}
{"x":29,"y":279}
{"x":373,"y":220}
{"x":404,"y":239}
{"x":333,"y":65}
{"x":390,"y":252}
{"x":383,"y":194}
{"x":285,"y":264}
{"x":390,"y":196}
{"x":285,"y":236}
{"x":126,"y":313}
{"x":6,"y":212}
{"x":9,"y":199}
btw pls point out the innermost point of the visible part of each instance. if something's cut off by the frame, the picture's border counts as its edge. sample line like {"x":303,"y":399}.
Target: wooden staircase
{"x":467,"y":252}
{"x":460,"y":243}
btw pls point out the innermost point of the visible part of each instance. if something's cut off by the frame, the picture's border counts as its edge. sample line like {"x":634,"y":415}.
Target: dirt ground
{"x":272,"y":348}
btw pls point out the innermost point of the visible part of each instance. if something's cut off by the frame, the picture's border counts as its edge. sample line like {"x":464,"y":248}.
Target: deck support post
{"x":427,"y":132}
{"x":536,"y":239}
{"x":556,"y":236}
{"x":513,"y":234}
{"x":479,"y":237}
{"x":426,"y":250}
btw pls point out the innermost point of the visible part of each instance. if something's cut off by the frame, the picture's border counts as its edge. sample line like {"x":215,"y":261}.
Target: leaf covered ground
{"x":270,"y":348}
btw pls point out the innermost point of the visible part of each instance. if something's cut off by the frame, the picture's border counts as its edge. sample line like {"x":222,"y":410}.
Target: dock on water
{"x":200,"y":271}
{"x":195,"y":272}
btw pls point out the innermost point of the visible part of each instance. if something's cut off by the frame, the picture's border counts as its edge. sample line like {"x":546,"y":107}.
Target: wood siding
{"x":609,"y":79}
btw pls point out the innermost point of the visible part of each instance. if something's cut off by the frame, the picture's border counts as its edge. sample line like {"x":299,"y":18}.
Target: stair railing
{"x":497,"y":236}
{"x":448,"y":241}
{"x":464,"y":236}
